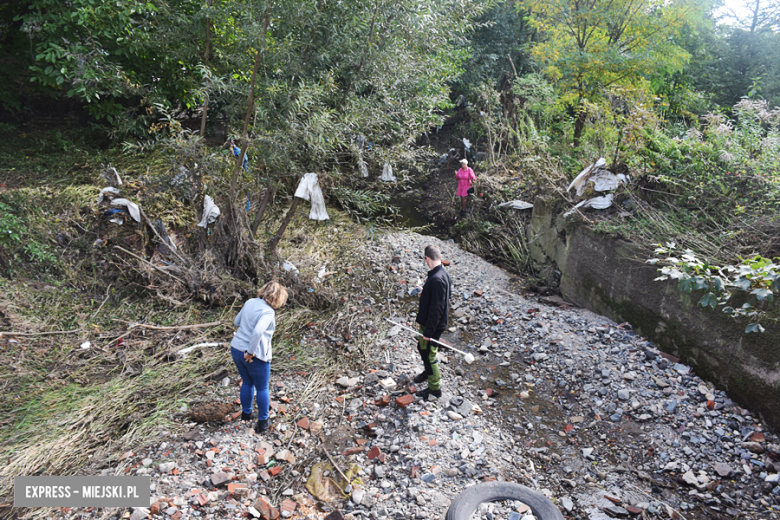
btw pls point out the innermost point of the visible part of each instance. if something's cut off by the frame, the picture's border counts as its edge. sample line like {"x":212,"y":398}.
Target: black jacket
{"x":435,"y":301}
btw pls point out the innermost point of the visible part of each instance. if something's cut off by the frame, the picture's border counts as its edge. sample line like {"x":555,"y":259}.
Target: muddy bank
{"x":610,"y":277}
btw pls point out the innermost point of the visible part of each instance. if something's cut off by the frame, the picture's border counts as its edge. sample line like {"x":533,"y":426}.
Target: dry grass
{"x":69,"y":408}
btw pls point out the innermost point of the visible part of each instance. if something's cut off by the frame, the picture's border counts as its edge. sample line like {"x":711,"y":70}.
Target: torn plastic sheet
{"x":580,"y":181}
{"x":604,"y":180}
{"x":516,"y":204}
{"x":104,"y":191}
{"x":288,"y":266}
{"x":131,"y":207}
{"x":595,"y":203}
{"x":362,"y":168}
{"x":330,"y":488}
{"x":107,"y":175}
{"x":309,"y":189}
{"x":210,"y":212}
{"x":237,"y":153}
{"x":387,"y":173}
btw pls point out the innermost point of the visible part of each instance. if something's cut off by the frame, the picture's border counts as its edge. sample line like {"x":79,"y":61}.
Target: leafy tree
{"x":590,"y":45}
{"x":499,"y":45}
{"x":116,"y":55}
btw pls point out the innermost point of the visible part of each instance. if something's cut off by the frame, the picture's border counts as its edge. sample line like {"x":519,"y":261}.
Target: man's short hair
{"x":432,"y":252}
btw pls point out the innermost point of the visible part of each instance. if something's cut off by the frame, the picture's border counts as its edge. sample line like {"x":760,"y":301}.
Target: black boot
{"x":420,"y":378}
{"x":246,"y":416}
{"x":261,"y":426}
{"x":427,"y":392}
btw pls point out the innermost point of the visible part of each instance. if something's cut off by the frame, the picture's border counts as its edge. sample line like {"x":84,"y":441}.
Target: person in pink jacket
{"x":465,"y":177}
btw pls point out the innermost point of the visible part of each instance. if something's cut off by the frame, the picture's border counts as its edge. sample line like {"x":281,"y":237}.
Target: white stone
{"x":358,"y":493}
{"x":388,"y":384}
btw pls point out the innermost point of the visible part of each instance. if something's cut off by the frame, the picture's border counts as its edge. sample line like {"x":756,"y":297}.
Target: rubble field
{"x":559,"y":399}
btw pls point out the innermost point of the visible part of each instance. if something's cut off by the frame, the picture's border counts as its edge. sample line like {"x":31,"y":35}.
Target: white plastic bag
{"x":107,"y":189}
{"x":210,"y":212}
{"x":132,"y":208}
{"x":309,"y":189}
{"x":387,"y":173}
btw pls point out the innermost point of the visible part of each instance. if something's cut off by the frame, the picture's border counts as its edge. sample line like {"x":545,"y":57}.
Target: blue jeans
{"x":254,"y":376}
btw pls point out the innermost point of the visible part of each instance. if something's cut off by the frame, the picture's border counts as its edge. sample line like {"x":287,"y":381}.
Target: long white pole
{"x":431,"y":339}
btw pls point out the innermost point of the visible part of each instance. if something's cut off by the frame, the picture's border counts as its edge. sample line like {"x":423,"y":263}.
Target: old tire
{"x":469,"y":500}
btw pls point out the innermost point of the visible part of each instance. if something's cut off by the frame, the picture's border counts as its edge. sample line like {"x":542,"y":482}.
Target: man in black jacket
{"x":432,"y":319}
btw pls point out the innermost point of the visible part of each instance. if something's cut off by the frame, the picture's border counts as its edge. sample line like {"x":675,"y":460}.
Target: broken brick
{"x":303,"y":423}
{"x":374,"y":453}
{"x":568,"y":428}
{"x":384,"y":400}
{"x":266,"y":510}
{"x":218,"y":479}
{"x":758,"y":437}
{"x":352,"y":451}
{"x":235,"y":485}
{"x":155,"y":508}
{"x":478,"y":293}
{"x":275,"y":470}
{"x":404,"y":400}
{"x":203,"y":499}
{"x":289,"y":506}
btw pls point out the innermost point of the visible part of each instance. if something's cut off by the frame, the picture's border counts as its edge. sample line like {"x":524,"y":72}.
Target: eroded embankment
{"x":609,"y":276}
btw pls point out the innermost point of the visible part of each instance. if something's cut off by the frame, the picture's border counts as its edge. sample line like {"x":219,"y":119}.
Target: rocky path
{"x":559,"y":399}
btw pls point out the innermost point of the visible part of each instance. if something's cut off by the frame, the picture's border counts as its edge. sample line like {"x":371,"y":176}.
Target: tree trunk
{"x":287,"y":218}
{"x":206,"y":99}
{"x":263,"y":205}
{"x":579,"y":121}
{"x":362,"y":58}
{"x":249,"y":109}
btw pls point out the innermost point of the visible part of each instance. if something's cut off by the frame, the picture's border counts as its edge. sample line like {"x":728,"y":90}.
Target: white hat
{"x":464,"y":161}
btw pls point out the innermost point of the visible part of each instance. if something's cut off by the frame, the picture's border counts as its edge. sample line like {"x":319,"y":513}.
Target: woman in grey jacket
{"x":251,"y":349}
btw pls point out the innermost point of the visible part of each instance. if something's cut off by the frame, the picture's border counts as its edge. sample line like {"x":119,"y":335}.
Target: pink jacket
{"x":465,"y":177}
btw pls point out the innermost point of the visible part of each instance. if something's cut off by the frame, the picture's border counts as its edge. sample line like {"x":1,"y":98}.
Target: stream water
{"x":409,"y":214}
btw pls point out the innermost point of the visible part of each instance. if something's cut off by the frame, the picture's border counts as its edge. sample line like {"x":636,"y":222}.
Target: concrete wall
{"x":609,"y":276}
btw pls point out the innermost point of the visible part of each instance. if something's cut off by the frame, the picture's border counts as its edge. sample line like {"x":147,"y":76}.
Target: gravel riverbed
{"x":559,"y":399}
